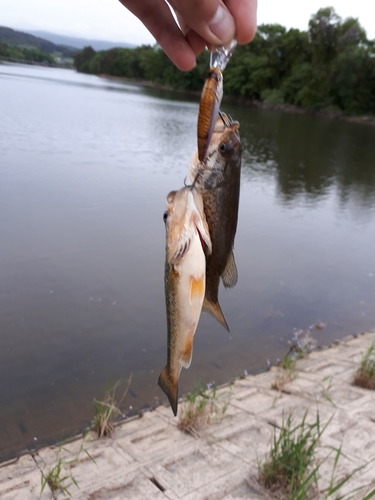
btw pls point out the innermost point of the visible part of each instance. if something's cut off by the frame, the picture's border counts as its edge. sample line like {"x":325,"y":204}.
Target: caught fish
{"x":218,"y":182}
{"x":209,"y":107}
{"x":187,"y":243}
{"x":211,"y":97}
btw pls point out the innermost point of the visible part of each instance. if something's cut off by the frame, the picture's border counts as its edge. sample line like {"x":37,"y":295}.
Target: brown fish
{"x":186,"y":235}
{"x":209,"y":107}
{"x":218,"y":181}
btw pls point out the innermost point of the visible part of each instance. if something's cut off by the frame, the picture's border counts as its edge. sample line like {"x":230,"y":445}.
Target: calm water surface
{"x":85,"y":166}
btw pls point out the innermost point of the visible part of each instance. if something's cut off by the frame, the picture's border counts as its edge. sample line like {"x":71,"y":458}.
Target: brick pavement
{"x":149,"y":458}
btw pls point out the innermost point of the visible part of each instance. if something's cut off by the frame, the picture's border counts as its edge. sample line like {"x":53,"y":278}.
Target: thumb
{"x":209,"y":18}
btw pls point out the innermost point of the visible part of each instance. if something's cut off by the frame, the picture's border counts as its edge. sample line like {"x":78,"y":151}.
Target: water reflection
{"x":309,"y":155}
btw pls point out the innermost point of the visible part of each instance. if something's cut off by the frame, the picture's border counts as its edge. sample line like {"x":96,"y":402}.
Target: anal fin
{"x":230,"y":273}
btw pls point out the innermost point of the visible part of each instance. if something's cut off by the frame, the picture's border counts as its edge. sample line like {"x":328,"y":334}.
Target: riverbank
{"x":150,"y":458}
{"x":253,"y":103}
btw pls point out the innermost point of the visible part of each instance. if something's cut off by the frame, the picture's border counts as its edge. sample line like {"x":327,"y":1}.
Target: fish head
{"x":229,"y":146}
{"x":184,"y":219}
{"x":225,"y":144}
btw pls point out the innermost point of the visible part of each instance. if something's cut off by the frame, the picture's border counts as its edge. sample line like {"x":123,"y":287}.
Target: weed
{"x":106,"y":410}
{"x":56,"y":480}
{"x":287,"y":364}
{"x":290,"y":467}
{"x":334,"y":486}
{"x":282,"y":379}
{"x":201,"y":407}
{"x":365,"y":375}
{"x":326,"y":384}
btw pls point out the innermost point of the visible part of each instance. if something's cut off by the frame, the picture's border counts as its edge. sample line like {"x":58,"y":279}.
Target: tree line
{"x":30,"y":54}
{"x":329,"y":67}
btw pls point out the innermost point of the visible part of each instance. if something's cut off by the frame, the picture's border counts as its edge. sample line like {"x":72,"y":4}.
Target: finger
{"x":245,"y":15}
{"x":195,"y":41}
{"x":158,"y":19}
{"x":209,"y":18}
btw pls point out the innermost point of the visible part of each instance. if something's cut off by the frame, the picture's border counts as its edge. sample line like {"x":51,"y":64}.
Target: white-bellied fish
{"x":187,"y":244}
{"x":218,"y":182}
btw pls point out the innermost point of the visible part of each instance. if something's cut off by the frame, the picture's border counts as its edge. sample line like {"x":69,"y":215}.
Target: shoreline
{"x":368,"y":120}
{"x":253,"y":103}
{"x":148,"y":457}
{"x":125,"y":420}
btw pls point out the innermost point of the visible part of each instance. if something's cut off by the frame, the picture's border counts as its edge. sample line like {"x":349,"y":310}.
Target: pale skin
{"x":201,"y":23}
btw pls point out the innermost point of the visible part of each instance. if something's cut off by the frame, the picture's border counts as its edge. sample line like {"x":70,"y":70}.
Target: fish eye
{"x":165,"y":216}
{"x":224,"y":147}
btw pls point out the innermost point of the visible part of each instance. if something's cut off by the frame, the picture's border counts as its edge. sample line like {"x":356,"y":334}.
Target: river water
{"x":85,"y":166}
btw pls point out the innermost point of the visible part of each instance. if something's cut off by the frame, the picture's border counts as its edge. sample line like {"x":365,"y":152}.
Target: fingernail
{"x":222,"y":25}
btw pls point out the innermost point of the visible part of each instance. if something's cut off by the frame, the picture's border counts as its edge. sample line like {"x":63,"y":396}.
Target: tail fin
{"x":170,"y":388}
{"x":214,"y":309}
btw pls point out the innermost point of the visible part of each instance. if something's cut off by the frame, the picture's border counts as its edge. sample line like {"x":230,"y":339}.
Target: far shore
{"x":242,"y":101}
{"x":254,"y":103}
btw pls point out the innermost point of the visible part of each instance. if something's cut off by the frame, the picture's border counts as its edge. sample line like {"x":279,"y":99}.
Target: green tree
{"x":82,"y":59}
{"x":323,"y":32}
{"x":332,"y":65}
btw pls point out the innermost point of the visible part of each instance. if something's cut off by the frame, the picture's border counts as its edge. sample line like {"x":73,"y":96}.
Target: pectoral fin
{"x":179,"y":250}
{"x":169,"y":386}
{"x":230,"y":273}
{"x":215,"y":310}
{"x":201,"y":224}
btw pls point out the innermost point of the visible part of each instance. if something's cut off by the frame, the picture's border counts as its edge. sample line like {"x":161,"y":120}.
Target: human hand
{"x":202,"y":22}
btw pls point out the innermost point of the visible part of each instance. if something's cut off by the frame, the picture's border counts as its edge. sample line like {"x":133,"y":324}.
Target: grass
{"x":334,"y":485}
{"x":290,"y":466}
{"x":287,"y":364}
{"x":57,"y":481}
{"x":291,"y":470}
{"x":55,"y":478}
{"x":106,"y":410}
{"x":202,"y":407}
{"x":365,"y":375}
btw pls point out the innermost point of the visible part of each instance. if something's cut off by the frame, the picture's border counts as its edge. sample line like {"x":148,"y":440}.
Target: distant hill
{"x":17,"y":38}
{"x":79,"y":43}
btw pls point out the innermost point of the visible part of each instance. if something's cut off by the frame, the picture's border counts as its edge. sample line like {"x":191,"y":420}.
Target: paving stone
{"x":255,"y":400}
{"x":193,"y":467}
{"x":21,"y":480}
{"x":344,"y":468}
{"x":233,"y":486}
{"x":147,"y":444}
{"x":17,"y":468}
{"x":149,"y":458}
{"x":358,"y":439}
{"x":248,"y":439}
{"x":135,"y":485}
{"x":26,"y":488}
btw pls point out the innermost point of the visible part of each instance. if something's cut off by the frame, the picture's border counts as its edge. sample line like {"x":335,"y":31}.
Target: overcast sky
{"x":109,"y":20}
